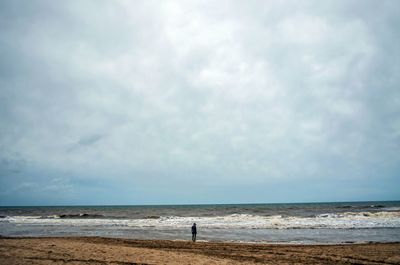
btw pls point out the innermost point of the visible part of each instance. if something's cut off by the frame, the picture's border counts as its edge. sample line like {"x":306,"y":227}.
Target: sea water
{"x":345,"y":222}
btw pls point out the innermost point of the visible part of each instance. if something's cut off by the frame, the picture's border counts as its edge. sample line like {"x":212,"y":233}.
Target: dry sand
{"x":95,"y":250}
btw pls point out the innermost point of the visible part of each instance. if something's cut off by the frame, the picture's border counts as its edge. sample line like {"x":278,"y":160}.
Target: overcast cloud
{"x":132,"y":102}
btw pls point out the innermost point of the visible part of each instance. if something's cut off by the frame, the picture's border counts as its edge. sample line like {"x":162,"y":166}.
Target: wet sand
{"x":96,"y":250}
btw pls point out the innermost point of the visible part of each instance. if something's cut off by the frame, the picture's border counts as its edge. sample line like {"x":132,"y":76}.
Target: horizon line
{"x":193,"y":204}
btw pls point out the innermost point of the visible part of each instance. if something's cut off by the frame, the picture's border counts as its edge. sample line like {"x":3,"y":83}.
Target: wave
{"x":361,"y":215}
{"x":81,"y":215}
{"x":391,"y":209}
{"x":348,"y":220}
{"x":360,"y":206}
{"x":345,"y":207}
{"x":152,"y":217}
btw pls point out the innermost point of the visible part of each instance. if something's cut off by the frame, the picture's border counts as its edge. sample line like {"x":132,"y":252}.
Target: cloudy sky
{"x":170,"y":102}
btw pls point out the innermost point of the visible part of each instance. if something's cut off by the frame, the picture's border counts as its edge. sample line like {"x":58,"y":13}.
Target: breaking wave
{"x":82,"y":215}
{"x":347,"y":220}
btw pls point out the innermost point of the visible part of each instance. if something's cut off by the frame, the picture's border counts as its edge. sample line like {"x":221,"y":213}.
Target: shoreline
{"x":199,"y":241}
{"x":105,"y":250}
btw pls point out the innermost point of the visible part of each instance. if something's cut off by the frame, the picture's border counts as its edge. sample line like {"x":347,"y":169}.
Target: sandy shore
{"x":95,"y":250}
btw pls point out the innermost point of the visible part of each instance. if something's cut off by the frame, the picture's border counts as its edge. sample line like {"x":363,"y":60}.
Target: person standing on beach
{"x":194,"y":232}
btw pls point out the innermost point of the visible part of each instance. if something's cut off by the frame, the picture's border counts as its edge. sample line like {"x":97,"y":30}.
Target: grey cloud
{"x":232,"y":91}
{"x":90,"y":139}
{"x":85,"y":141}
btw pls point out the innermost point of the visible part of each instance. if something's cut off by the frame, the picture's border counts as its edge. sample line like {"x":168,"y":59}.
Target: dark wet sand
{"x":96,"y":250}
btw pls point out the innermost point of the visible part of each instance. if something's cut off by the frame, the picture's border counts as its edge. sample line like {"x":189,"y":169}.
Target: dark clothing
{"x":194,"y":233}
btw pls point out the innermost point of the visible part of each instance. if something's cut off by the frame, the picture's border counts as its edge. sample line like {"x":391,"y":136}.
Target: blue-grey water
{"x":274,"y":223}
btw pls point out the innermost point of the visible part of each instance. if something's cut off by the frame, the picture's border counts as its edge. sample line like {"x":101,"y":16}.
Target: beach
{"x":100,"y":250}
{"x":268,"y":132}
{"x":314,"y":233}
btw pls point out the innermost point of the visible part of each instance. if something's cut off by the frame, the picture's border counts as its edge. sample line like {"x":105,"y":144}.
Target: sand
{"x":96,"y":250}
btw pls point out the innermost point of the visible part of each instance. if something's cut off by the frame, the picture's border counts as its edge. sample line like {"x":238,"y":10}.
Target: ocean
{"x":302,"y":223}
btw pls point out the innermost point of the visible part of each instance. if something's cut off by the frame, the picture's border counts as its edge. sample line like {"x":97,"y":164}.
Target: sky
{"x":186,"y":102}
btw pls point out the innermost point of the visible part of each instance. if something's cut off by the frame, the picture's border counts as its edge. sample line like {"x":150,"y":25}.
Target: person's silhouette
{"x":194,"y":232}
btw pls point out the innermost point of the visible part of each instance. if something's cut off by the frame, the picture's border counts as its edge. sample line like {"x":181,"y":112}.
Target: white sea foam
{"x":235,"y":221}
